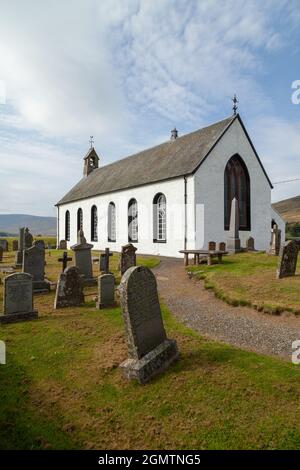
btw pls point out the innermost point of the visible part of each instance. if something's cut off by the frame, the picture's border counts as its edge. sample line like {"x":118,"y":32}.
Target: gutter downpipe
{"x":185,"y":212}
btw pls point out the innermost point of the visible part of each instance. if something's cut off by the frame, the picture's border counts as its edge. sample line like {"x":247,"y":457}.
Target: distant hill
{"x":289,"y":209}
{"x":10,"y":223}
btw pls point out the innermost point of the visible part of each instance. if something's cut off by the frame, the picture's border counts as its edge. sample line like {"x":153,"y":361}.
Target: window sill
{"x":159,"y":241}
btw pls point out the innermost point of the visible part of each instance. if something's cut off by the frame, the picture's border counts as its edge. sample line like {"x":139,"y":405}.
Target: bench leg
{"x":219,"y":258}
{"x":186,"y":259}
{"x":209,"y":260}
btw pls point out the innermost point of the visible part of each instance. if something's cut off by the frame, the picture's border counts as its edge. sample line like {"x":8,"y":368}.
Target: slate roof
{"x":171,"y":159}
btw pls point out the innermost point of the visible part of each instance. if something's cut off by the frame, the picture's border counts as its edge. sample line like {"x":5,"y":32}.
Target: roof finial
{"x":235,"y":102}
{"x":91,"y":141}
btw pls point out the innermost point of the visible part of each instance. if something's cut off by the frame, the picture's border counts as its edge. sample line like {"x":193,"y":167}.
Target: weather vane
{"x":91,"y":141}
{"x":235,"y":106}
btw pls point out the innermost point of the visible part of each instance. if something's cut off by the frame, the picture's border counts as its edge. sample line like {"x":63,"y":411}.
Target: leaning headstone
{"x":15,"y":245}
{"x":83,"y":259}
{"x":149,"y":350}
{"x":250,"y":244}
{"x":69,"y":290}
{"x":275,"y":241}
{"x":287,"y":261}
{"x":18,"y":299}
{"x":34,"y":264}
{"x":222,"y":246}
{"x":62,"y":245}
{"x":233,"y":241}
{"x":4,"y":245}
{"x":128,"y":257}
{"x":106,"y":291}
{"x":1,"y":254}
{"x":28,"y":239}
{"x":211,"y":246}
{"x":19,"y":254}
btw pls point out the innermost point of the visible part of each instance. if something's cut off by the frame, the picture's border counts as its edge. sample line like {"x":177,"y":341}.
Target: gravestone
{"x":150,"y":351}
{"x":18,"y":298}
{"x":69,"y":290}
{"x":211,"y":246}
{"x":106,"y":291}
{"x":104,"y":261}
{"x":19,"y":254}
{"x":275,"y":241}
{"x":64,"y":260}
{"x":222,"y":246}
{"x":15,"y":245}
{"x":250,"y":244}
{"x":34,"y":264}
{"x":83,"y":259}
{"x":4,"y":245}
{"x":128,"y":257}
{"x":28,"y":239}
{"x":233,"y":243}
{"x":287,"y":261}
{"x":1,"y":254}
{"x":62,"y":245}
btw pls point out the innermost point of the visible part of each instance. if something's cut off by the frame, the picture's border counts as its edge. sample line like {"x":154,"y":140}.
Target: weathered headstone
{"x":34,"y":264}
{"x":128,"y":257}
{"x":18,"y":298}
{"x":275,"y":240}
{"x":106,"y":291}
{"x":69,"y":290}
{"x":222,"y":246}
{"x":250,"y":244}
{"x":1,"y":254}
{"x":83,"y":259}
{"x":62,"y":245}
{"x":15,"y":245}
{"x":64,"y":260}
{"x":19,"y":254}
{"x":104,"y":261}
{"x":287,"y":261}
{"x":211,"y":246}
{"x":149,"y":350}
{"x":28,"y":239}
{"x":233,"y":243}
{"x":4,"y":245}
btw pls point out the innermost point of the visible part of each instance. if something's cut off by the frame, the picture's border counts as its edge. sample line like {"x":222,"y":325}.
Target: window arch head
{"x":79,"y":220}
{"x":111,"y":229}
{"x":132,"y":221}
{"x":94,"y":224}
{"x":159,"y":218}
{"x":237,"y":184}
{"x":67,"y":226}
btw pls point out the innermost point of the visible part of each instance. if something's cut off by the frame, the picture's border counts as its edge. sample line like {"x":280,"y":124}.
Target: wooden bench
{"x":209,"y":254}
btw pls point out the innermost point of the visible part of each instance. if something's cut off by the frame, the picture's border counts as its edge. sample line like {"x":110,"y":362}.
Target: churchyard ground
{"x":61,"y":387}
{"x":249,"y":279}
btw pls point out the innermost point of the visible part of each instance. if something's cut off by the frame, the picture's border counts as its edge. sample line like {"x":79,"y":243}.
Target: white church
{"x":174,"y":196}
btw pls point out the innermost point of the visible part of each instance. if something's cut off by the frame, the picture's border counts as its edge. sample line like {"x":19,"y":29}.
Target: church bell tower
{"x":91,"y":160}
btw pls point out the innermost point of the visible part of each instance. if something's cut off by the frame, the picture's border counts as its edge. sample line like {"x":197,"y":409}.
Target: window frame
{"x":237,"y":184}
{"x":157,"y":226}
{"x":133,"y":221}
{"x":111,"y":223}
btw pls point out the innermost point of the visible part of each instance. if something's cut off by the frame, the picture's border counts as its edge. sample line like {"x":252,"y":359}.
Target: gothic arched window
{"x":132,"y":221}
{"x":67,"y":226}
{"x":94,"y":224}
{"x":79,"y":220}
{"x":159,"y":218}
{"x":111,"y":222}
{"x":237,"y":184}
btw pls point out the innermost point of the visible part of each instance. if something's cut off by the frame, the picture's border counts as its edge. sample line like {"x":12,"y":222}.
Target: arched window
{"x":79,"y":220}
{"x":67,"y":226}
{"x":111,"y":222}
{"x":94,"y":224}
{"x":237,"y":184}
{"x":132,"y":221}
{"x":159,"y":218}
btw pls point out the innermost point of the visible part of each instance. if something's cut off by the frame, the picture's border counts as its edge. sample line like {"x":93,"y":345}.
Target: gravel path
{"x":243,"y":327}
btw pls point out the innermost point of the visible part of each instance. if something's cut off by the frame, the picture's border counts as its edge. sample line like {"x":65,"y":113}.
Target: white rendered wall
{"x":209,"y":192}
{"x":174,"y":192}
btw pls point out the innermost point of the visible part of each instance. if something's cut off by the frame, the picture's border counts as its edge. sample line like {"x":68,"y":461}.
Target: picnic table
{"x":209,"y":254}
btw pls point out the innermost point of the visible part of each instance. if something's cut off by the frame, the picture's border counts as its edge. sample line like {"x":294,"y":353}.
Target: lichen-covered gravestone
{"x":15,"y":245}
{"x":106,"y":291}
{"x":83,"y":259}
{"x":28,"y":238}
{"x":69,"y":290}
{"x":250,"y":244}
{"x":211,"y":246}
{"x":150,"y":352}
{"x":275,"y":241}
{"x":128,"y":257}
{"x":34,"y":264}
{"x":222,"y":246}
{"x":19,"y":254}
{"x":62,"y":245}
{"x":233,"y":242}
{"x":287,"y":261}
{"x":18,"y":298}
{"x":4,"y":245}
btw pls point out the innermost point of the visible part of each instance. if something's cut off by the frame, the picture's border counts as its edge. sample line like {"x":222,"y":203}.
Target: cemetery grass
{"x":62,"y":389}
{"x":249,"y":279}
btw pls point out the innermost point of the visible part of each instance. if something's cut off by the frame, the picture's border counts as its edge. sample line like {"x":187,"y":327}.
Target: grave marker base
{"x":16,"y":317}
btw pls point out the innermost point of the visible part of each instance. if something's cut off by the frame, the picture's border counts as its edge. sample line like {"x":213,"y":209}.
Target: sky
{"x":127,"y":72}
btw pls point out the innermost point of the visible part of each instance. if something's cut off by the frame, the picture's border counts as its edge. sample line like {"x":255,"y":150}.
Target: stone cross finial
{"x":235,"y":106}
